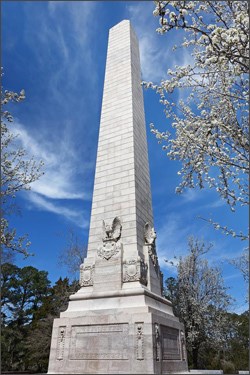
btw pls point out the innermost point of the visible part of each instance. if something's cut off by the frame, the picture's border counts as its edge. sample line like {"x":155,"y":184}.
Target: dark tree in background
{"x":29,"y":305}
{"x":23,"y":292}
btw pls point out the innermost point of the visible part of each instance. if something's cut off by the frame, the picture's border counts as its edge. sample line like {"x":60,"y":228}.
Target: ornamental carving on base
{"x":135,"y":270}
{"x":86,"y":275}
{"x":157,"y":342}
{"x":183,"y":345}
{"x":60,"y":342}
{"x":110,"y":239}
{"x":139,"y":342}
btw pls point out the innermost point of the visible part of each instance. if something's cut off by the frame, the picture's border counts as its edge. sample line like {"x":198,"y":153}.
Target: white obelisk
{"x":118,"y":322}
{"x":122,"y":183}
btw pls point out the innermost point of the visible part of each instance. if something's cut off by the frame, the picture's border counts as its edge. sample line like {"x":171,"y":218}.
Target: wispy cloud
{"x":151,"y":56}
{"x":75,"y":216}
{"x":61,"y":177}
{"x":190,"y":195}
{"x":60,"y":104}
{"x":156,"y":51}
{"x":63,"y":34}
{"x":232,"y":276}
{"x":172,"y":239}
{"x":62,"y":182}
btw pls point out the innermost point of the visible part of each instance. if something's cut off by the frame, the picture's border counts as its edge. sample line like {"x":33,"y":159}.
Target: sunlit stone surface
{"x":118,"y":322}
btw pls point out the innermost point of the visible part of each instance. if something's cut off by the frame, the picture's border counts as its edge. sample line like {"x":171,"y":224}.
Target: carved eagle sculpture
{"x":149,"y":234}
{"x":112,"y":232}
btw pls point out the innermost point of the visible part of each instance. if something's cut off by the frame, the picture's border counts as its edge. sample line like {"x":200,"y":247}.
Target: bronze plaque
{"x":170,"y":343}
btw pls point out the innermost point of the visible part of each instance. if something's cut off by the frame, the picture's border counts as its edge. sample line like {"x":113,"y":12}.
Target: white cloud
{"x":156,"y":51}
{"x":62,"y":44}
{"x":217,"y":203}
{"x":191,"y":195}
{"x":77,"y":217}
{"x":172,"y":239}
{"x":152,"y":57}
{"x":62,"y":107}
{"x":232,"y":276}
{"x":60,"y":178}
{"x":63,"y":178}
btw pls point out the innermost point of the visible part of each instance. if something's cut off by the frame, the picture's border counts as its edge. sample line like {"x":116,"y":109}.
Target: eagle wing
{"x":148,"y":233}
{"x":116,"y":228}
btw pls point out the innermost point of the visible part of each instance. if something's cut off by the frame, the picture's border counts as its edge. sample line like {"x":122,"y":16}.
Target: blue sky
{"x":56,"y":51}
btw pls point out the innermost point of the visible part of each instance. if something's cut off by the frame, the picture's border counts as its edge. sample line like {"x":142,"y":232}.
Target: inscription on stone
{"x":171,"y":343}
{"x":60,"y":342}
{"x":106,"y":341}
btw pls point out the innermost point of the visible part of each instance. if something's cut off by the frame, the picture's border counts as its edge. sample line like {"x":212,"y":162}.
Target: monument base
{"x":137,"y":333}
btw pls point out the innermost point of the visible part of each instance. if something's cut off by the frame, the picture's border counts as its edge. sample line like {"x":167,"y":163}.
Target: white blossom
{"x":200,"y":298}
{"x":17,"y":173}
{"x":211,"y":135}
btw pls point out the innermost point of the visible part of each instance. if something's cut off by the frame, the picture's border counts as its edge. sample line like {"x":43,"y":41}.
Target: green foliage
{"x":228,"y":367}
{"x":29,"y":306}
{"x":23,"y":290}
{"x":237,"y":350}
{"x":38,"y":341}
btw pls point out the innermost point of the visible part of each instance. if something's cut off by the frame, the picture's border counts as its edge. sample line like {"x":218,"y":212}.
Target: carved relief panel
{"x":61,"y":342}
{"x":183,"y":346}
{"x":157,"y":342}
{"x":86,"y":275}
{"x":139,"y":341}
{"x":135,"y":270}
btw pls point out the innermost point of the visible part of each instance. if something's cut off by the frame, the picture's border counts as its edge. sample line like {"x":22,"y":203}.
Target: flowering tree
{"x":242,"y":263}
{"x":209,"y":132}
{"x":200,"y":300}
{"x":17,"y":173}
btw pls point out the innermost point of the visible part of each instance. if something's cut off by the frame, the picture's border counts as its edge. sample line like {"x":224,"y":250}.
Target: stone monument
{"x":119,"y":322}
